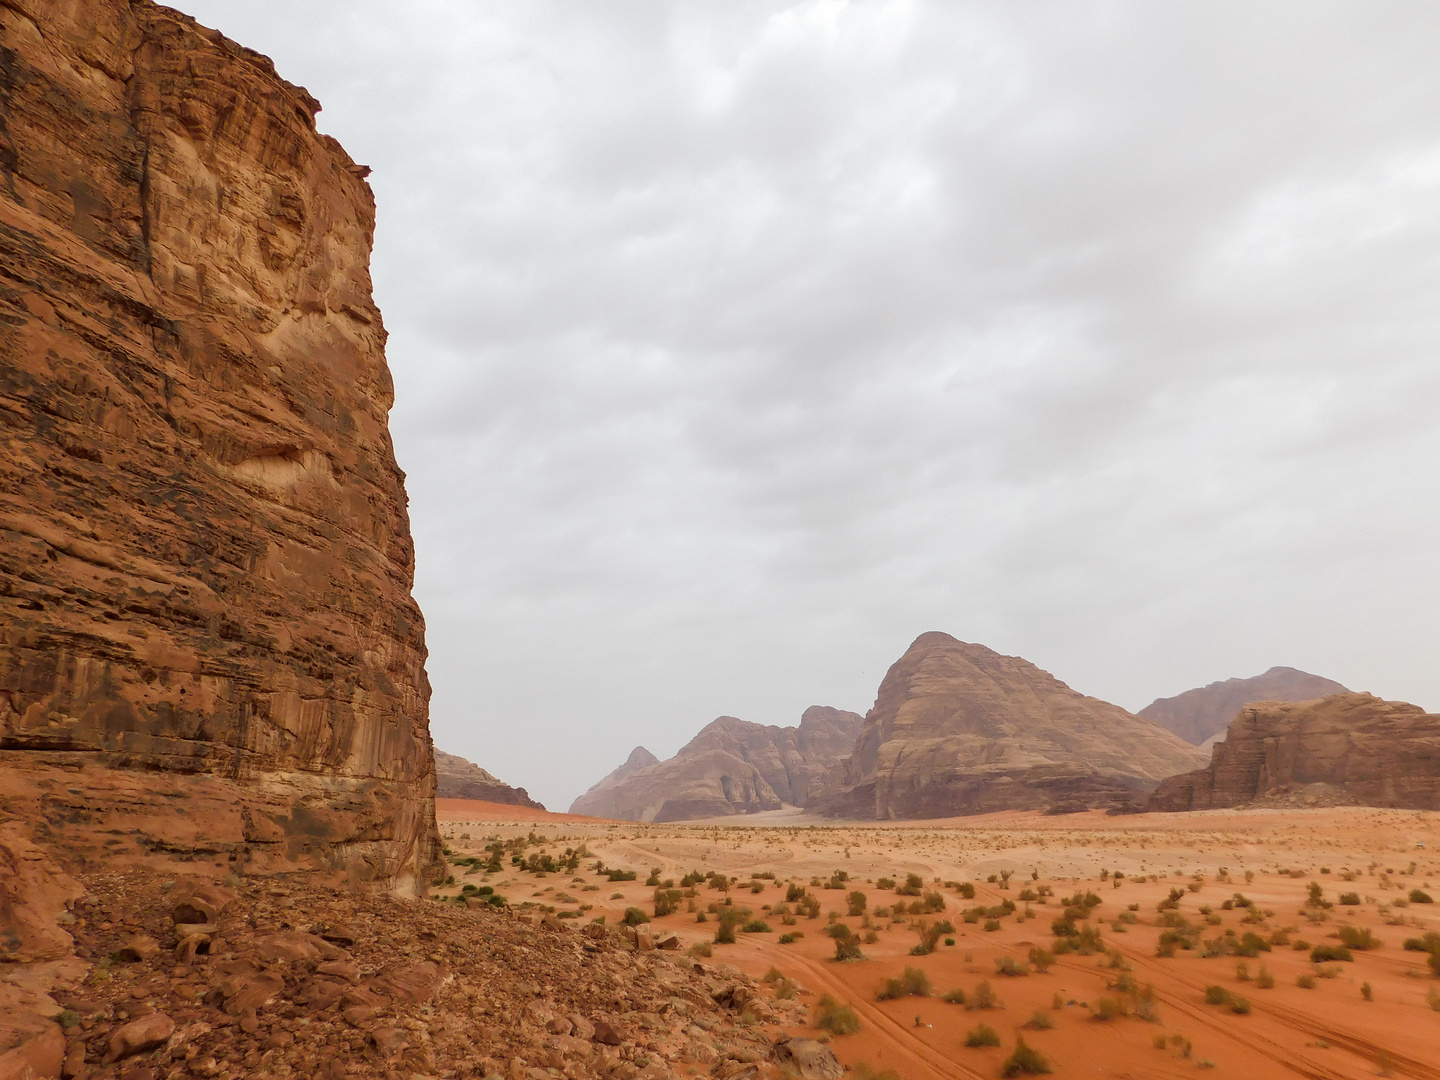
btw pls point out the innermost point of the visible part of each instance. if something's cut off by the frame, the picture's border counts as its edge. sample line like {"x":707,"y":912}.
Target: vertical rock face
{"x":731,"y":767}
{"x":457,"y":778}
{"x":960,"y":729}
{"x":205,"y":561}
{"x":1199,"y":715}
{"x":1348,"y":748}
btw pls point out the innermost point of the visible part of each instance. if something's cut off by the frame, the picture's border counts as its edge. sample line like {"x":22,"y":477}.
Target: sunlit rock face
{"x":209,"y":640}
{"x":1348,"y":748}
{"x":960,"y":729}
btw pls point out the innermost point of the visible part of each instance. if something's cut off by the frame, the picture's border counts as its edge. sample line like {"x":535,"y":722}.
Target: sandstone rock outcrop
{"x":207,"y":638}
{"x":1198,"y":715}
{"x":1359,"y":748}
{"x":731,"y":767}
{"x":457,"y":778}
{"x":960,"y":729}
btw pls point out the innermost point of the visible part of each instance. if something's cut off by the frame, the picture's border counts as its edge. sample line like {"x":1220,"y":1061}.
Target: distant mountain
{"x":1199,"y":715}
{"x":731,"y":767}
{"x":960,"y":729}
{"x":457,"y":778}
{"x":1346,"y":748}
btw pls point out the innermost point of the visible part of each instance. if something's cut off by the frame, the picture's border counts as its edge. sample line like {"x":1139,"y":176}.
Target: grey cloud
{"x":735,"y":345}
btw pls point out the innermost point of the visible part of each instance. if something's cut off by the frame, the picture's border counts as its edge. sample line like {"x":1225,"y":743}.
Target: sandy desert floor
{"x":1236,"y":872}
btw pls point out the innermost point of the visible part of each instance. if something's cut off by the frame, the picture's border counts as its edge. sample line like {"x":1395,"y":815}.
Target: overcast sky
{"x":737,"y":344}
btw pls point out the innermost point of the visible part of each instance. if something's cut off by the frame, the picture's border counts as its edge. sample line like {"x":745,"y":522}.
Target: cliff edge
{"x":209,"y":646}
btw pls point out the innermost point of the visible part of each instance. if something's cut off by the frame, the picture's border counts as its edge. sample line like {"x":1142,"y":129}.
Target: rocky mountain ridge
{"x":731,"y":766}
{"x":457,"y":778}
{"x":209,"y":640}
{"x":1352,"y":748}
{"x":1199,"y":715}
{"x":958,"y":729}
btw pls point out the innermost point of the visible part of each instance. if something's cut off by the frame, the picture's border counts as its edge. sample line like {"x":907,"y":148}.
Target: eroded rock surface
{"x":207,"y":638}
{"x":1198,"y":715}
{"x":457,"y":778}
{"x":960,"y":729}
{"x":731,"y":767}
{"x":1347,"y":748}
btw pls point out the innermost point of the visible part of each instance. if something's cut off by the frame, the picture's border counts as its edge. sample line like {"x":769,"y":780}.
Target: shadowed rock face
{"x":730,"y":767}
{"x":205,"y":561}
{"x":457,"y":778}
{"x":960,"y":729}
{"x":1369,"y":751}
{"x":1199,"y":715}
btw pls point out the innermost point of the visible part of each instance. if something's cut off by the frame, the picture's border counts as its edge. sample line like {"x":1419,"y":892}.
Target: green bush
{"x":1024,"y":1061}
{"x":911,"y":983}
{"x":983,"y":997}
{"x":982,"y":1035}
{"x":1042,"y":959}
{"x":1358,"y":937}
{"x":1349,"y":899}
{"x":1321,"y":953}
{"x":790,"y":939}
{"x":634,"y":917}
{"x":1419,"y":896}
{"x":756,"y":926}
{"x":1010,"y":967}
{"x":1040,"y":1021}
{"x":953,"y":997}
{"x":836,"y":1018}
{"x":856,"y":903}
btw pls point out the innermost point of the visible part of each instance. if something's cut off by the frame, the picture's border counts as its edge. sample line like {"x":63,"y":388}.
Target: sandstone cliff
{"x":1198,"y":715}
{"x":960,"y":729}
{"x":1348,"y":748}
{"x":209,"y":644}
{"x":730,"y":767}
{"x":456,"y":778}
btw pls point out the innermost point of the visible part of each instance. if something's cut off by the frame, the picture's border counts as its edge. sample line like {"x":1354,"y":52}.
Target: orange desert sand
{"x":1216,"y":861}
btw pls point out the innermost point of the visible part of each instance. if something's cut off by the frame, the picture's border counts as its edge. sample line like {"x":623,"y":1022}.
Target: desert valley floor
{"x":1109,"y":1008}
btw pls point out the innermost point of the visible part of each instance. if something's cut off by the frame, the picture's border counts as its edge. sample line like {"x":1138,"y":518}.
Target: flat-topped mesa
{"x":209,"y":643}
{"x":1199,"y":715}
{"x":1348,"y":748}
{"x":960,"y":729}
{"x":457,"y":778}
{"x":731,"y":767}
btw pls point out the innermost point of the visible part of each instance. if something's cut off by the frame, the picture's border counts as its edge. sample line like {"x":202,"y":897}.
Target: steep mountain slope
{"x":1199,"y":715}
{"x":960,"y":729}
{"x":731,"y":767}
{"x":210,"y":642}
{"x":457,"y":778}
{"x":1347,"y":748}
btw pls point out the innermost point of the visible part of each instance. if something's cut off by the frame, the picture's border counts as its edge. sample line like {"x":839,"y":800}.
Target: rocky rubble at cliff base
{"x":287,"y":978}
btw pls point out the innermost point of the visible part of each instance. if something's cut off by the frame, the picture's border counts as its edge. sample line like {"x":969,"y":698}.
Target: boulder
{"x":138,"y":1036}
{"x":811,"y":1060}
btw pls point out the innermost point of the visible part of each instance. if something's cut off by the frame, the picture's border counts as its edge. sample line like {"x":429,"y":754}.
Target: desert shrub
{"x":1263,"y":979}
{"x":1433,"y":999}
{"x":966,"y":889}
{"x":1010,"y":967}
{"x":885,"y":883}
{"x":634,"y":916}
{"x":794,"y":893}
{"x":667,"y":902}
{"x":911,"y":983}
{"x":953,"y":997}
{"x":701,"y":948}
{"x":982,"y":1035}
{"x":912,"y":887}
{"x":756,"y":926}
{"x":1358,"y":937}
{"x":1419,"y":896}
{"x":1251,"y":944}
{"x":1108,"y":1008}
{"x":1429,"y":943}
{"x":790,"y":939}
{"x":1322,"y":953}
{"x":983,"y":997}
{"x":836,"y":1018}
{"x":1042,"y":959}
{"x":1217,"y":995}
{"x":991,"y":925}
{"x":932,"y":902}
{"x":619,"y":875}
{"x":1040,"y":1021}
{"x":1349,"y":899}
{"x":1329,"y":971}
{"x":848,"y":948}
{"x":1366,"y":992}
{"x":929,"y":935}
{"x":1024,"y":1060}
{"x":1240,"y":1006}
{"x":856,"y":903}
{"x":1305,"y":981}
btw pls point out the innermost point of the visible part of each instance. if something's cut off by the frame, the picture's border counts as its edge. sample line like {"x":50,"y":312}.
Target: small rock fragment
{"x":144,"y":1034}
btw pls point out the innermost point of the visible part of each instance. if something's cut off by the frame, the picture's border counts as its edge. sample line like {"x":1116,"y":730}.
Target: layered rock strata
{"x":457,"y":778}
{"x":1367,"y":751}
{"x":960,"y":729}
{"x":207,"y":637}
{"x":731,"y":767}
{"x":1199,"y":715}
